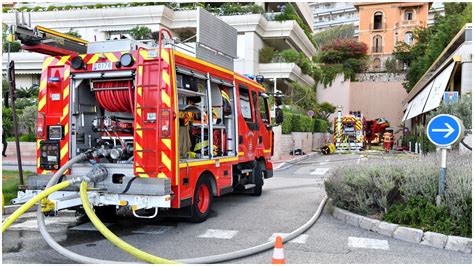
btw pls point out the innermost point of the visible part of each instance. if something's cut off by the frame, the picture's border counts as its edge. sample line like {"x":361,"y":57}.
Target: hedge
{"x":403,"y":191}
{"x":302,"y":123}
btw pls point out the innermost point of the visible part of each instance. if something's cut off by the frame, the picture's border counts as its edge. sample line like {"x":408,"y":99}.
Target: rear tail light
{"x":40,"y":125}
{"x":165,"y":123}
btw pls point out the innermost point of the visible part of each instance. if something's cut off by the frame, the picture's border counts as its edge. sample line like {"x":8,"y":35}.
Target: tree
{"x":461,"y":109}
{"x":391,"y":65}
{"x":141,"y":33}
{"x":430,"y":42}
{"x":334,"y":33}
{"x":325,"y":110}
{"x":73,"y":34}
{"x":346,"y":56}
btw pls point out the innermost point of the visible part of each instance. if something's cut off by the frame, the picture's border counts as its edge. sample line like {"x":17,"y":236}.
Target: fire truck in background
{"x":172,"y":131}
{"x":354,"y":132}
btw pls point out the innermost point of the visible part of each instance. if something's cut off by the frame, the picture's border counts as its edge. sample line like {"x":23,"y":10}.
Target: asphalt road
{"x":237,"y":221}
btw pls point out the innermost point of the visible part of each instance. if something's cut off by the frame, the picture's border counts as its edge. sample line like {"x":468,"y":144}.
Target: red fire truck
{"x":172,"y":131}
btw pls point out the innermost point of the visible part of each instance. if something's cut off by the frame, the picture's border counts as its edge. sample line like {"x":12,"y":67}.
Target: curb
{"x":287,"y":164}
{"x":407,"y":234}
{"x":9,"y":209}
{"x":25,"y":163}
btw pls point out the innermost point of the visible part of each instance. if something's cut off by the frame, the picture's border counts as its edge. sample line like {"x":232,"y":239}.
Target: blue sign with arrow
{"x":444,"y":130}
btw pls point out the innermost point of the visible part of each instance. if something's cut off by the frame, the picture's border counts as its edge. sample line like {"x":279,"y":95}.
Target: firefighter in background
{"x":387,"y":141}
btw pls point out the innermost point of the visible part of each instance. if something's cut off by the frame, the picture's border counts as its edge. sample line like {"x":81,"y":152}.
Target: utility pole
{"x":12,"y":89}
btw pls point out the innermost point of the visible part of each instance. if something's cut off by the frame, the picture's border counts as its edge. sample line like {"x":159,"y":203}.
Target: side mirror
{"x":278,"y":116}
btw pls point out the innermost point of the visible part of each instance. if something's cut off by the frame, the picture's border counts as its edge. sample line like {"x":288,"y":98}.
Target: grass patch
{"x":10,"y":184}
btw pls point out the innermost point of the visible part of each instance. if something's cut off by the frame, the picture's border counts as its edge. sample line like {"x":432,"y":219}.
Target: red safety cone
{"x":278,"y":255}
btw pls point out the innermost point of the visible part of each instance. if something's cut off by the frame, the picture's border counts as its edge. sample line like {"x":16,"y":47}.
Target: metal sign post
{"x":444,"y":130}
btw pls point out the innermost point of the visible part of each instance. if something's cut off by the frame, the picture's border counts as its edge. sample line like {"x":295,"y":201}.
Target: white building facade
{"x":254,"y":32}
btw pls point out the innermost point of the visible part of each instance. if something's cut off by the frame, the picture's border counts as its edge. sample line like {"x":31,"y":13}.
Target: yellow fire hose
{"x":112,"y":237}
{"x":12,"y":218}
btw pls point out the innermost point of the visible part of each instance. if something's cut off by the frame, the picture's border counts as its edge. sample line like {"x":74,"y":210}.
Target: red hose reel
{"x":115,"y":96}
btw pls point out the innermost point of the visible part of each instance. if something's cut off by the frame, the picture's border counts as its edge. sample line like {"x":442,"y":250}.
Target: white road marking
{"x":323,"y":163}
{"x":221,"y":234}
{"x":153,"y":230}
{"x":87,"y":227}
{"x":320,"y":171}
{"x":301,"y":239}
{"x":357,"y":242}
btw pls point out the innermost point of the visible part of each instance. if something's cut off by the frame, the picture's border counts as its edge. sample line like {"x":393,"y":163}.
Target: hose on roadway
{"x":12,"y":218}
{"x":112,"y":237}
{"x":139,"y":253}
{"x":257,"y":249}
{"x":49,"y":239}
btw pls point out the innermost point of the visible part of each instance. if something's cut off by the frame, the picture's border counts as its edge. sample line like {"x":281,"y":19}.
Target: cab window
{"x":245,"y":105}
{"x":264,"y":112}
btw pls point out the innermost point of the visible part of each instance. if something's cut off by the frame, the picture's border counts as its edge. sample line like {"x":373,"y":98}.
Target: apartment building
{"x":255,"y":31}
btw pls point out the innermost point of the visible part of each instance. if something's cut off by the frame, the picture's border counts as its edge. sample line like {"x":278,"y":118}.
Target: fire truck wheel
{"x":258,"y":179}
{"x":202,"y":200}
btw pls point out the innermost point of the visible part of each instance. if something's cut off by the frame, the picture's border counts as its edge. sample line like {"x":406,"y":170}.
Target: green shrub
{"x":27,"y":120}
{"x":141,"y":33}
{"x":301,"y":123}
{"x":365,"y":189}
{"x":420,"y":213}
{"x":28,"y":138}
{"x":287,"y":124}
{"x":405,"y":190}
{"x":7,"y":120}
{"x":320,"y":126}
{"x":266,"y":55}
{"x":289,"y":56}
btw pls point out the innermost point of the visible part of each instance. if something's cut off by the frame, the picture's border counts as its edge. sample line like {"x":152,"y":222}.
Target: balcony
{"x":288,"y":71}
{"x":378,"y":26}
{"x":408,"y":23}
{"x":377,"y":49}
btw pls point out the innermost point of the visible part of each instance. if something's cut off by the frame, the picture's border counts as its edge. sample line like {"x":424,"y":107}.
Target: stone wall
{"x":26,"y":148}
{"x":380,"y":77}
{"x":307,"y":141}
{"x":319,"y":139}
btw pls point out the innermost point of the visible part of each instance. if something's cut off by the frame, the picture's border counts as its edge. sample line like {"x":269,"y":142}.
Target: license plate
{"x":102,"y":66}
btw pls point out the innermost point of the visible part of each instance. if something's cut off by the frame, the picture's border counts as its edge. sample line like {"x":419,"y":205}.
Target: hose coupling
{"x":97,"y":174}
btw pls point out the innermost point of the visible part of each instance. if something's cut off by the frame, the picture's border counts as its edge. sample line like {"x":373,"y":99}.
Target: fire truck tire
{"x":258,"y":180}
{"x":202,"y":200}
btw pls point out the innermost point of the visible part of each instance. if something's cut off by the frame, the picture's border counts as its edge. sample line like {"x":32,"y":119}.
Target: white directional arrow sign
{"x":449,"y":130}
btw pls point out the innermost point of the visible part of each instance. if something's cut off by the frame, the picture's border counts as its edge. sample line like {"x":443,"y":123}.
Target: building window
{"x":377,"y":44}
{"x":409,"y":37}
{"x":378,"y":19}
{"x":409,"y":15}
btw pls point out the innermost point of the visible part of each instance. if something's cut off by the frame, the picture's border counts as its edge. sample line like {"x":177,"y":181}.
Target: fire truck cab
{"x":172,"y":131}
